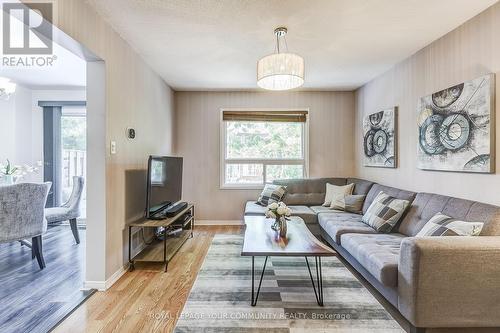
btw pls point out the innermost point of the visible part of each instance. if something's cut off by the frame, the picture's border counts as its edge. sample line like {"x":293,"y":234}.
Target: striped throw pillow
{"x":385,"y":212}
{"x":271,"y":193}
{"x":443,"y":225}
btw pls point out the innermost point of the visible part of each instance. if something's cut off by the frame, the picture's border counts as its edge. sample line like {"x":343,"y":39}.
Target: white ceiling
{"x":215,"y":44}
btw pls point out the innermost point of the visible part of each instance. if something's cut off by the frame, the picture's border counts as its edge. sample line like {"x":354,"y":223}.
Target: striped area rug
{"x":220,"y":298}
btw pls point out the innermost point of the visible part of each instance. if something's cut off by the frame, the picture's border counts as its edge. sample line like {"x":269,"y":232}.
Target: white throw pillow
{"x":443,"y":225}
{"x":334,"y":192}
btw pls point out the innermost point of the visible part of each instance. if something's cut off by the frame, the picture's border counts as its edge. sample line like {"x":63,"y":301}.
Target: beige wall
{"x":197,"y":140}
{"x":135,"y":96}
{"x":468,"y":52}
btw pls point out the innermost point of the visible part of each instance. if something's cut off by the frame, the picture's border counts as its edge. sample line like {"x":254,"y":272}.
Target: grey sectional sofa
{"x":449,"y":284}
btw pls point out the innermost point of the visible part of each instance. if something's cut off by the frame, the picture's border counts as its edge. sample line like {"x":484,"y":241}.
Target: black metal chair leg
{"x":74,"y":230}
{"x":37,"y":248}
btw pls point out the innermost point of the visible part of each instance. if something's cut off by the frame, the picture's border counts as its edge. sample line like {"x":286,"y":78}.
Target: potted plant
{"x":280,"y":213}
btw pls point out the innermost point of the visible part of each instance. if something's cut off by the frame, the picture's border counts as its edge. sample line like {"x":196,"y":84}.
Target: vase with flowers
{"x":10,"y":174}
{"x":280,"y":213}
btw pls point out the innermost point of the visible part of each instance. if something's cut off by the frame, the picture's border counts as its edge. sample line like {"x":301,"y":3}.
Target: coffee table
{"x":261,"y":241}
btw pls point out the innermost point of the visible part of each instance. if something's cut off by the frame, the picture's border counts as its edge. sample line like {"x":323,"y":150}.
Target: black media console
{"x":176,"y":230}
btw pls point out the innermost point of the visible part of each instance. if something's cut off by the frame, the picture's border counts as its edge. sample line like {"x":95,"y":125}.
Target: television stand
{"x":162,"y":251}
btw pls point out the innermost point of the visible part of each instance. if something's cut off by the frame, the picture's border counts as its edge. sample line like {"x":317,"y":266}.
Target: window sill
{"x":241,"y":187}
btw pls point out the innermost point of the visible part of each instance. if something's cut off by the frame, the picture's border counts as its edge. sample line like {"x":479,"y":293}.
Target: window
{"x":258,"y":147}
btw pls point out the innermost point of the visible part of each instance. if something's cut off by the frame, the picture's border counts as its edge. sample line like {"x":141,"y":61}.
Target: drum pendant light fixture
{"x":280,"y":71}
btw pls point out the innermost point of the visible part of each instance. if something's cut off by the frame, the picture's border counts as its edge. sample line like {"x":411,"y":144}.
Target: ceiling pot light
{"x":7,"y":88}
{"x":280,"y":71}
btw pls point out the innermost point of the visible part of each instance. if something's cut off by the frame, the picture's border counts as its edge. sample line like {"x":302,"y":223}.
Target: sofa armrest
{"x":450,"y":281}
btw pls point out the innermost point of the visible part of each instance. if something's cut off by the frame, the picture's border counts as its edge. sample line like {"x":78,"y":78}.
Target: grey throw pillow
{"x":443,"y":225}
{"x":271,"y":193}
{"x":385,"y":212}
{"x":354,"y":203}
{"x":350,"y":203}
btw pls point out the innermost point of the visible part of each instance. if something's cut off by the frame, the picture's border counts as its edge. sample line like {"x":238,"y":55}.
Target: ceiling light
{"x":7,"y":88}
{"x":280,"y":71}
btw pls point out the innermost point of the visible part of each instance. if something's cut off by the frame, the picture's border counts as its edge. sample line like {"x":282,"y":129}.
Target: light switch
{"x":113,"y":147}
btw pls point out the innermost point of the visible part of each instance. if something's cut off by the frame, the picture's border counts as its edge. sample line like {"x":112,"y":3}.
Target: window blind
{"x":277,"y":116}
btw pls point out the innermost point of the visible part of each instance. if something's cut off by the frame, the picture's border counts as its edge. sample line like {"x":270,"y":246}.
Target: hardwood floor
{"x":34,"y":300}
{"x":147,"y":299}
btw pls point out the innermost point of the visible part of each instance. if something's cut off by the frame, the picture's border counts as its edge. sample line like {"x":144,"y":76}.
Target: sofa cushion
{"x":321,"y":209}
{"x":337,"y":223}
{"x":253,"y":208}
{"x":426,"y":205}
{"x":361,"y":186}
{"x":378,"y":254}
{"x":306,"y":213}
{"x":309,"y":192}
{"x":392,"y":191}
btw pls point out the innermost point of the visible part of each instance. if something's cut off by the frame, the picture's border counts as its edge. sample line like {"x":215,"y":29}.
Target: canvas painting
{"x":455,"y":130}
{"x":379,"y":139}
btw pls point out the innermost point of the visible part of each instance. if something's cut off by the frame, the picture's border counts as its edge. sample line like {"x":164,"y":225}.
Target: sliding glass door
{"x":65,"y":152}
{"x":74,"y":152}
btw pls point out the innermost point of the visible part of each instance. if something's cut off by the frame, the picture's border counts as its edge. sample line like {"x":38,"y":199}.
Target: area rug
{"x":220,"y":298}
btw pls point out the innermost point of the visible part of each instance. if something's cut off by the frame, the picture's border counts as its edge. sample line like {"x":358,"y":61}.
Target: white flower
{"x":288,"y":211}
{"x":273,"y":206}
{"x":282,"y":204}
{"x":270,"y":214}
{"x":281,"y":210}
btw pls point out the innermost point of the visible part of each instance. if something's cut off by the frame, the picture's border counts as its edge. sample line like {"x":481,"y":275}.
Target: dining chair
{"x":70,"y":210}
{"x":22,"y":215}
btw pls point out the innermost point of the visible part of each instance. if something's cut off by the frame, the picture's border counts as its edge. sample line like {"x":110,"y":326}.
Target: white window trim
{"x":222,"y":150}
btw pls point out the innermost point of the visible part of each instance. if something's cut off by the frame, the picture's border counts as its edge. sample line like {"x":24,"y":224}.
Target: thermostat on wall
{"x":130,"y":133}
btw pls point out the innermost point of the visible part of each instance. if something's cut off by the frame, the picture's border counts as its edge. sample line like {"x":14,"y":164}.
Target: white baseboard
{"x":99,"y":285}
{"x":104,"y":285}
{"x":218,"y":222}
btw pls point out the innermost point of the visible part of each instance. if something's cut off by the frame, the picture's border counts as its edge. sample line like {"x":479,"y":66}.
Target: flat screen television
{"x":164,"y":183}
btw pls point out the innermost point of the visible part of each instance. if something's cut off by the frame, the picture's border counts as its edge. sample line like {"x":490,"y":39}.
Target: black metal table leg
{"x":255,"y":296}
{"x":131,"y":262}
{"x":192,"y":221}
{"x":165,"y":250}
{"x":253,"y":278}
{"x":319,"y":280}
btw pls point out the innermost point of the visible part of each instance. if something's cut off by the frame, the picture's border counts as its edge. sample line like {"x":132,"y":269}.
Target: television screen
{"x":164,"y":183}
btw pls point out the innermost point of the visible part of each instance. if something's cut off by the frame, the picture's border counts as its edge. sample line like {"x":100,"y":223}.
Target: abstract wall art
{"x":379,"y":139}
{"x":455,"y":128}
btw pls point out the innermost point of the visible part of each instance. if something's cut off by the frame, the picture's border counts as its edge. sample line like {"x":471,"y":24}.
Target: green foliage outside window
{"x":248,"y":140}
{"x":73,"y":132}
